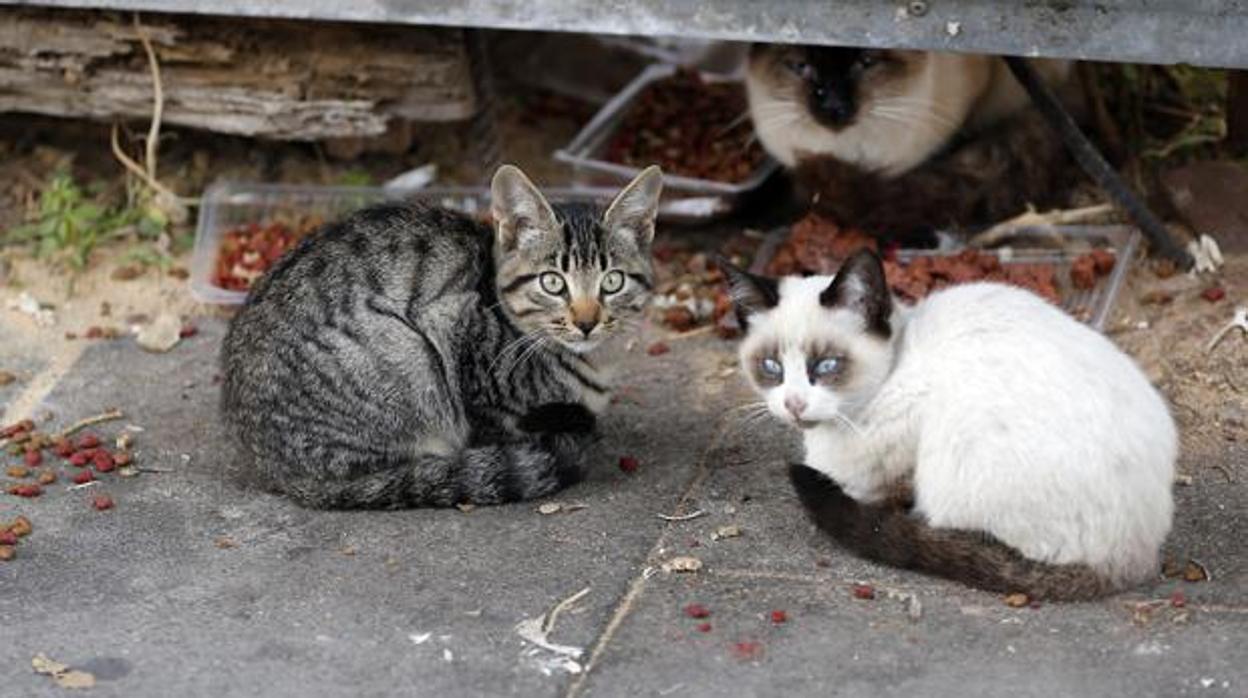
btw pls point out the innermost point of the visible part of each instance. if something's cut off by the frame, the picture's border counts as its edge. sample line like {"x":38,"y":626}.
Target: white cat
{"x":1006,"y":416}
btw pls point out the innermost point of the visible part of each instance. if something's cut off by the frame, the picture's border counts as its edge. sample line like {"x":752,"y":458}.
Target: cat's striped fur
{"x":410,"y":356}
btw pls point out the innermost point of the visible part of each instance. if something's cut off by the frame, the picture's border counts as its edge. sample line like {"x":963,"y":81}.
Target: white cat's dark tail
{"x":887,"y":533}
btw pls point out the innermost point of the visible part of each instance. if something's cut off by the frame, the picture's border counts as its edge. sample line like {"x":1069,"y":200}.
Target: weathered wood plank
{"x":272,"y":78}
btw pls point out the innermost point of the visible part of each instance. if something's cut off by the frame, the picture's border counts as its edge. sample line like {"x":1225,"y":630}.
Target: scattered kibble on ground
{"x":863,"y":591}
{"x":629,"y":464}
{"x":102,"y":502}
{"x":779,"y":617}
{"x":697,"y":610}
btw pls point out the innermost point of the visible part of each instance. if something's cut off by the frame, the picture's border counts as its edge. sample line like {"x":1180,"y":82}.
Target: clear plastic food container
{"x":1092,"y":306}
{"x":227,"y":205}
{"x":693,"y":199}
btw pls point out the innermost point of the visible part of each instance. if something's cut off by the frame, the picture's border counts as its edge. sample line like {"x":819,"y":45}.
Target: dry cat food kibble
{"x":248,"y":250}
{"x":102,"y":502}
{"x":865,"y":592}
{"x":816,"y":245}
{"x":697,"y":610}
{"x":689,"y":127}
{"x":629,"y":464}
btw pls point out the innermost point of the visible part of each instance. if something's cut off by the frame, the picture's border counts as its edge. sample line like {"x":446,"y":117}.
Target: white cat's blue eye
{"x":552,"y":283}
{"x":827,"y":367}
{"x":613,"y":281}
{"x":771,"y":368}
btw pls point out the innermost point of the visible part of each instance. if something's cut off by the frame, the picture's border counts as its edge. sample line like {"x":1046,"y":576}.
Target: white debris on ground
{"x":162,"y":334}
{"x":29,"y":305}
{"x":546,"y":656}
{"x":1206,"y":255}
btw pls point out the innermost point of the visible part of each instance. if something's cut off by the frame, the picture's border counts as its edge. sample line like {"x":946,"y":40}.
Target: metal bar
{"x":1200,"y":32}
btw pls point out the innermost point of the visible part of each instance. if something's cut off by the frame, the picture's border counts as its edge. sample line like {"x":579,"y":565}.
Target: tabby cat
{"x":411,"y":356}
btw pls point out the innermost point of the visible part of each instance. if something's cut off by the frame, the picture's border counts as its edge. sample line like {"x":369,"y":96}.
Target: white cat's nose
{"x":795,"y":404}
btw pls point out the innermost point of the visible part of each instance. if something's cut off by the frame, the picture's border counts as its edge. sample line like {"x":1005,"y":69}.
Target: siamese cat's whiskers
{"x":844,"y":419}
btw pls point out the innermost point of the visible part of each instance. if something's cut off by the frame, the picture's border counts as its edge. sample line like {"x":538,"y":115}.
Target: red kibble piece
{"x":88,"y":441}
{"x":697,"y":610}
{"x":703,"y":627}
{"x":629,"y":464}
{"x":864,"y":591}
{"x":103,"y":462}
{"x":658,"y":349}
{"x":123,"y":458}
{"x":779,"y":617}
{"x":102,"y":502}
{"x":188,"y":331}
{"x":63,"y":448}
{"x":8,"y":538}
{"x":1213,"y":294}
{"x":26,"y":490}
{"x":82,"y":477}
{"x":95,"y":332}
{"x":33,"y":458}
{"x":79,"y":459}
{"x":747,"y":650}
{"x":1178,"y":599}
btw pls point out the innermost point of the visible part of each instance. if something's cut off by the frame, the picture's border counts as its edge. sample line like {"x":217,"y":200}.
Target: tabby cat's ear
{"x":860,"y":286}
{"x":520,"y":211}
{"x":750,"y":293}
{"x":633,"y":212}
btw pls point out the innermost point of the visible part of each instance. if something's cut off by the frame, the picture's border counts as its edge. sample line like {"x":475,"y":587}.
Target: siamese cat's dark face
{"x":835,"y":84}
{"x":816,"y":348}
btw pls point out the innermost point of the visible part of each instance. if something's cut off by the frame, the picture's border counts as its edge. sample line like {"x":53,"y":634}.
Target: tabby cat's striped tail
{"x":887,"y":533}
{"x":492,"y":474}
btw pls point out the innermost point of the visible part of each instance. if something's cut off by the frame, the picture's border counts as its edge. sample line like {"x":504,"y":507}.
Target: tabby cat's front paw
{"x":559,"y":418}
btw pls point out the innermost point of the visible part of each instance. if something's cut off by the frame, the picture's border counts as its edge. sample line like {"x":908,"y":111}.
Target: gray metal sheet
{"x":1200,"y":32}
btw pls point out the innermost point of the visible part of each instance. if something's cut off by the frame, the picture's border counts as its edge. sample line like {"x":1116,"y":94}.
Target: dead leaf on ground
{"x":62,"y":674}
{"x":74,"y":679}
{"x":43,"y":665}
{"x":1195,"y":572}
{"x":1017,"y":600}
{"x":683,"y":563}
{"x":726,"y":532}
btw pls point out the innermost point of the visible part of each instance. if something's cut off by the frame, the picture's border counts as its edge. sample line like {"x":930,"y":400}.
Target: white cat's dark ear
{"x":635,"y":208}
{"x":520,"y":211}
{"x":860,"y":286}
{"x":750,"y":293}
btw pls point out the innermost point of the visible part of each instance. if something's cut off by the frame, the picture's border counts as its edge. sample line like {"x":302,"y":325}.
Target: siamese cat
{"x":982,"y":435}
{"x":897,"y":143}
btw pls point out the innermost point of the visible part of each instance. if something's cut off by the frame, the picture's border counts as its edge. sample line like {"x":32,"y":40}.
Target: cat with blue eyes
{"x":981,"y":434}
{"x":899,"y":143}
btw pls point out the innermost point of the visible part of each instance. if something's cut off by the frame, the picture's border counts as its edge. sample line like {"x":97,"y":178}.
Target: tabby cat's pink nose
{"x":796,"y":405}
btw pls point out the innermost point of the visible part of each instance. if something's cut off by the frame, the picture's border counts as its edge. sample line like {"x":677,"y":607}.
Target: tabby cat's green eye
{"x":613,"y":282}
{"x":552,"y":283}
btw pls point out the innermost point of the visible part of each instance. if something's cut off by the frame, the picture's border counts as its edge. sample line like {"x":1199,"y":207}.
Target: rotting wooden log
{"x":281,"y":79}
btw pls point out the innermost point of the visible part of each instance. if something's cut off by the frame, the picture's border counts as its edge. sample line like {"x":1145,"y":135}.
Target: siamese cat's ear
{"x":860,"y":286}
{"x":635,"y":208}
{"x":750,"y":293}
{"x":521,"y":214}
